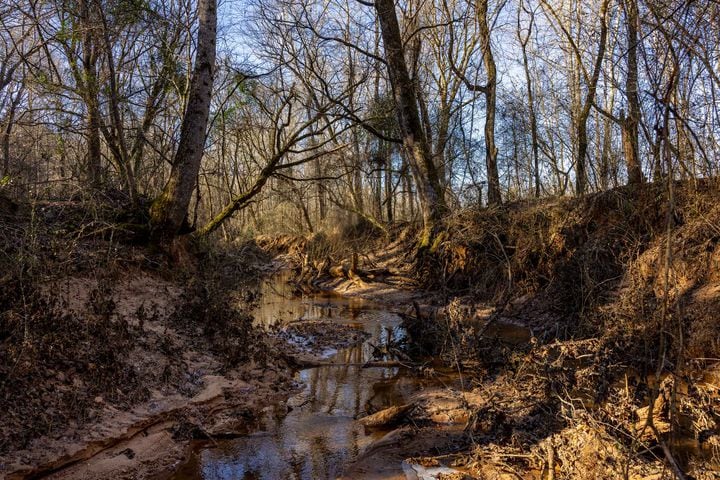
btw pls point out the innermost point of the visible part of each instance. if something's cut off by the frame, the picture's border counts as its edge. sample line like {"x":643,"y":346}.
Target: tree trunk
{"x":531,"y":100}
{"x":93,"y":169}
{"x":169,"y":210}
{"x":414,"y":139}
{"x":357,"y":181}
{"x":493,"y":177}
{"x":320,"y":192}
{"x":388,"y":186}
{"x":116,"y":135}
{"x":630,"y":123}
{"x":94,"y":152}
{"x":7,"y":131}
{"x":580,"y":171}
{"x":580,"y":167}
{"x":240,"y":201}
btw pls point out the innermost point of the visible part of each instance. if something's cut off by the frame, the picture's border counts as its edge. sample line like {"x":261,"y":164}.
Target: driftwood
{"x":352,"y":271}
{"x":660,"y":420}
{"x":385,"y":417}
{"x":338,"y":271}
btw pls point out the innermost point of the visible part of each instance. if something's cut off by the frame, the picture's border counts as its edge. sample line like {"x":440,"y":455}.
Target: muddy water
{"x":315,"y":434}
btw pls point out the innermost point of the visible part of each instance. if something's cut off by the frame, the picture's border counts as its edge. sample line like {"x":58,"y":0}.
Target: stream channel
{"x":315,"y":434}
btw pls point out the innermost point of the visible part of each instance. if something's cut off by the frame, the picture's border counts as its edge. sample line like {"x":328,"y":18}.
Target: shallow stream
{"x":315,"y":434}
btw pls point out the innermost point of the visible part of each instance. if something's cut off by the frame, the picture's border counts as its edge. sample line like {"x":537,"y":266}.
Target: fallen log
{"x":386,"y":417}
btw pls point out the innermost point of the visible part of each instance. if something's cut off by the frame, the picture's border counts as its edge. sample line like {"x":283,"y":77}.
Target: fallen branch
{"x":310,"y":363}
{"x":386,"y":416}
{"x":674,"y":465}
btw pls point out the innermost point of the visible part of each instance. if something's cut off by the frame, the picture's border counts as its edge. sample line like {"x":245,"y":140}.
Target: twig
{"x":551,"y":460}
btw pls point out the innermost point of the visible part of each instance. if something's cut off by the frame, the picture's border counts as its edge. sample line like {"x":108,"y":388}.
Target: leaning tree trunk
{"x":168,"y":212}
{"x":584,"y":114}
{"x":414,"y":138}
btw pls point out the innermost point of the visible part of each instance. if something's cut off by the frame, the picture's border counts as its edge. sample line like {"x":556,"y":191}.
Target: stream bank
{"x":598,"y":309}
{"x":113,"y":356}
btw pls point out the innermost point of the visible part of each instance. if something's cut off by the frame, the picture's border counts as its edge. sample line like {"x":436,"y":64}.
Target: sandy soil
{"x":152,"y":436}
{"x":148,"y":441}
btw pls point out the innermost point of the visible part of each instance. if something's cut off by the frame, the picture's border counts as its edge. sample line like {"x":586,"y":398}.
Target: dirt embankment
{"x":587,"y":327}
{"x":113,"y":356}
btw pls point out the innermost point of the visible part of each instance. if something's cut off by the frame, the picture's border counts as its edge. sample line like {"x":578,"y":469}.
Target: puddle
{"x":507,"y":332}
{"x":315,"y":435}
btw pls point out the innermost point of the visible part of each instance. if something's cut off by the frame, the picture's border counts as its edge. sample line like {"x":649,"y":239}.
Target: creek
{"x":314,"y":435}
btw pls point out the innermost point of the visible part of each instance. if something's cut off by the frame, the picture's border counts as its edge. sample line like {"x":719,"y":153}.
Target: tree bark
{"x":388,"y":186}
{"x":582,"y":139}
{"x":414,"y":139}
{"x":531,"y":100}
{"x":169,"y":210}
{"x":117,"y":137}
{"x":493,"y":178}
{"x":7,"y":131}
{"x":91,"y":91}
{"x":630,"y":123}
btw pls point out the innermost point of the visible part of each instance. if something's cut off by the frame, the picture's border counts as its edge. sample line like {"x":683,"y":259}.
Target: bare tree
{"x":591,"y":82}
{"x":414,"y":138}
{"x":631,"y":122}
{"x":524,"y":39}
{"x":170,"y":208}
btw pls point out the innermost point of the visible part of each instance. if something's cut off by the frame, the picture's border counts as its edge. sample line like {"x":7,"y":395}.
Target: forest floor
{"x":556,"y":315}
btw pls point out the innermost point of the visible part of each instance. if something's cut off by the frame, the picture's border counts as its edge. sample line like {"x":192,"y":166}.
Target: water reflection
{"x":281,"y":303}
{"x":316,"y":433}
